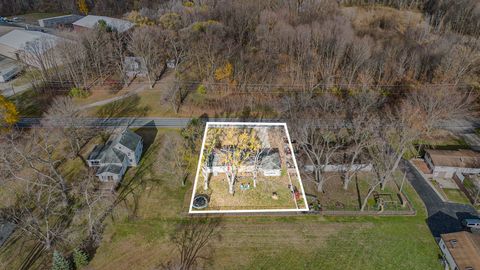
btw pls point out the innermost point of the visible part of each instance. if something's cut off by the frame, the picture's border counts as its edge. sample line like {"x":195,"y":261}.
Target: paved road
{"x":120,"y":121}
{"x":443,"y":217}
{"x":136,"y":122}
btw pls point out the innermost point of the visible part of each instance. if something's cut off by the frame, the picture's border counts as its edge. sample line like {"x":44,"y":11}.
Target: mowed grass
{"x":456,"y":195}
{"x":259,"y":197}
{"x":262,"y":242}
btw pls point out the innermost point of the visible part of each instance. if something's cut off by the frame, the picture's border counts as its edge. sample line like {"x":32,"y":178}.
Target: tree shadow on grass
{"x":32,"y":103}
{"x":192,"y":239}
{"x":126,"y":107}
{"x":148,"y":133}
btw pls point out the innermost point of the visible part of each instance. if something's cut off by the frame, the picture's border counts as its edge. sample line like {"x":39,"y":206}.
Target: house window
{"x":95,"y":162}
{"x":110,"y":178}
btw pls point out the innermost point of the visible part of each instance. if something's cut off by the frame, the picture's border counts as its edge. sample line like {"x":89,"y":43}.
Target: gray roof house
{"x":269,"y":165}
{"x":90,"y":21}
{"x":135,"y":66}
{"x":119,"y":152}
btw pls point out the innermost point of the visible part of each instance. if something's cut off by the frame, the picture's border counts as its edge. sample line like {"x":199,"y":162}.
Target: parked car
{"x":473,"y":223}
{"x":18,"y":19}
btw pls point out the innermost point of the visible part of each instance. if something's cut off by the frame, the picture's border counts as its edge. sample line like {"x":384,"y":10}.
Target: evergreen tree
{"x":59,"y":262}
{"x":80,"y":258}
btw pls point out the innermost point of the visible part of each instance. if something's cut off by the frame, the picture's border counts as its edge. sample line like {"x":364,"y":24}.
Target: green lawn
{"x":260,"y":242}
{"x":456,"y":195}
{"x":35,"y":16}
{"x":31,"y":103}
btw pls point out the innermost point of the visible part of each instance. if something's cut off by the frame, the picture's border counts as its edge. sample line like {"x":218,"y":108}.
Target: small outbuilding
{"x":59,"y":21}
{"x":445,"y":163}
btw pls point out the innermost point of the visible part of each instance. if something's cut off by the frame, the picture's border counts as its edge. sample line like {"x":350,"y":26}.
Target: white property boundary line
{"x":284,"y":125}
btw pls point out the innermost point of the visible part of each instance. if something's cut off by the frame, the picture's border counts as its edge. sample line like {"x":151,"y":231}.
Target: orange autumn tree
{"x":8,"y":112}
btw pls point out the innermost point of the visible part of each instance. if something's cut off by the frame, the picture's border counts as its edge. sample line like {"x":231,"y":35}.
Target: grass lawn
{"x":261,"y":242}
{"x":254,"y":198}
{"x":33,"y":18}
{"x":336,"y":198}
{"x":31,"y":103}
{"x":456,"y":195}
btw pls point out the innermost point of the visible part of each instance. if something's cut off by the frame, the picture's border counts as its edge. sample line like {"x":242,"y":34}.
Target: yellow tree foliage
{"x":225,"y":72}
{"x":82,"y":6}
{"x":8,"y":112}
{"x":135,"y":17}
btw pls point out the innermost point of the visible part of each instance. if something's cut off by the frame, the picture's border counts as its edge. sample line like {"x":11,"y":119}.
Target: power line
{"x":284,"y":87}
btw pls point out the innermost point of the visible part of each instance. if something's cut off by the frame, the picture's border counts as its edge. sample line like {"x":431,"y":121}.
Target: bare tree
{"x":191,"y":240}
{"x":361,"y":124}
{"x":149,"y":44}
{"x":64,"y":115}
{"x":442,"y":104}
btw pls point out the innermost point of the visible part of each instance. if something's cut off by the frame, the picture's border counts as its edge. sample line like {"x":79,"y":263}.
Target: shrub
{"x":80,"y":258}
{"x":201,"y":90}
{"x":78,"y":93}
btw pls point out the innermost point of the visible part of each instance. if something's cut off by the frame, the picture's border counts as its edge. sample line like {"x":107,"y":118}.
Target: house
{"x":91,"y":21}
{"x":461,"y":250}
{"x":54,"y":22}
{"x":119,"y":152}
{"x":445,"y":163}
{"x":18,"y":44}
{"x":135,"y":67}
{"x":270,"y":163}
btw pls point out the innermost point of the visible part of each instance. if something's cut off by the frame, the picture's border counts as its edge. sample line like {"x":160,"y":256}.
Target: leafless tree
{"x":65,"y":116}
{"x":175,"y":159}
{"x":176,"y":93}
{"x":440,"y":104}
{"x":41,"y":54}
{"x":191,"y":239}
{"x":149,"y":44}
{"x":73,"y":56}
{"x":42,"y":209}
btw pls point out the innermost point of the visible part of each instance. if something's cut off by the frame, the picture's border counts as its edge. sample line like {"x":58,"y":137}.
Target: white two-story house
{"x":119,"y":152}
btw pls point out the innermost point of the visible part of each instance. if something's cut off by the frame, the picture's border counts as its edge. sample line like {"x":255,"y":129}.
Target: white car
{"x":473,"y":223}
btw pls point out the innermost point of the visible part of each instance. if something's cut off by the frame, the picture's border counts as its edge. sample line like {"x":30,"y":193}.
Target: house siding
{"x":447,"y":256}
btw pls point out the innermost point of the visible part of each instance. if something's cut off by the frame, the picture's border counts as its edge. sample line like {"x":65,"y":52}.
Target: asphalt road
{"x":459,"y":127}
{"x":443,"y":217}
{"x":135,"y":122}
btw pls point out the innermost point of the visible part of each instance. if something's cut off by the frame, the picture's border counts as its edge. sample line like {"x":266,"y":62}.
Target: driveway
{"x":443,"y":217}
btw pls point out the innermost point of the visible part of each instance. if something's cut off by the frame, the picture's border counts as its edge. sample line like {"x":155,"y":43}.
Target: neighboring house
{"x":461,"y":250}
{"x":135,"y":67}
{"x":18,"y":44}
{"x":91,"y":21}
{"x":54,"y":22}
{"x":445,"y":163}
{"x":270,"y":164}
{"x":9,"y":68}
{"x":112,"y":158}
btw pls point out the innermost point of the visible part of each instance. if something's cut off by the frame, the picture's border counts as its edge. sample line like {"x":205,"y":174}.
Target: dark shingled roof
{"x":128,"y":139}
{"x":115,"y":169}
